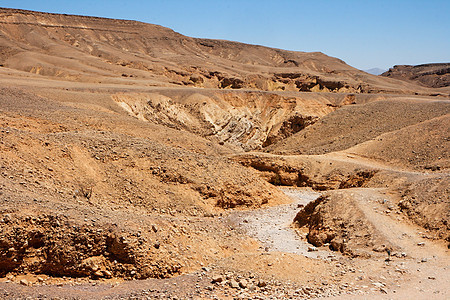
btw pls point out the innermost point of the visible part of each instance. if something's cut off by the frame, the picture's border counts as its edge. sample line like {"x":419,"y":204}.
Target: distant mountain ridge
{"x":375,"y":71}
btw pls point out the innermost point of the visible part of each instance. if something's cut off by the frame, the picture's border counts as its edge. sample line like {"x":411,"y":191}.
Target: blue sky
{"x":363,"y":33}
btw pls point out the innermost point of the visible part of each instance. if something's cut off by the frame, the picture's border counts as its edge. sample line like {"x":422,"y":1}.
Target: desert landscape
{"x":139,"y":163}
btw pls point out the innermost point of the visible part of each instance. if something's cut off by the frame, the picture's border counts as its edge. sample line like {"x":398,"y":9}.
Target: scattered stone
{"x":421,"y":244}
{"x":217,"y":278}
{"x":243,"y":283}
{"x":312,"y":249}
{"x":378,"y":284}
{"x":24,"y":282}
{"x":261,"y":283}
{"x":98,"y":273}
{"x":107,"y":273}
{"x":380,"y":248}
{"x":234,"y":284}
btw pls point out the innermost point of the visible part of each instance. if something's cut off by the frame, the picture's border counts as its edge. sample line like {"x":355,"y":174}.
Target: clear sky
{"x":363,"y":33}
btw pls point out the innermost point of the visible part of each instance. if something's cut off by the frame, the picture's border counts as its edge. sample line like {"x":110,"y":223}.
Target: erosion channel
{"x":272,"y":226}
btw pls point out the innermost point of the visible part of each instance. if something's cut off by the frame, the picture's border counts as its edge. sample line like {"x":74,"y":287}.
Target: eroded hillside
{"x":88,"y":49}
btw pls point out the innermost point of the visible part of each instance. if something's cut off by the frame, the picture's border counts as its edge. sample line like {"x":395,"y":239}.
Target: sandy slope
{"x":355,"y":124}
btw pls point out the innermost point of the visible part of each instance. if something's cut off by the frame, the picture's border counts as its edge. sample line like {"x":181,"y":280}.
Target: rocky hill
{"x":127,"y":52}
{"x":430,"y":75}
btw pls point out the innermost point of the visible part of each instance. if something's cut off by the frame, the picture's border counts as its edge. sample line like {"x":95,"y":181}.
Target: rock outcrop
{"x":430,"y":75}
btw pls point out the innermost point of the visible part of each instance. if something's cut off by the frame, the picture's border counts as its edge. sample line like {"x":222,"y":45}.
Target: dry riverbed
{"x":272,"y":226}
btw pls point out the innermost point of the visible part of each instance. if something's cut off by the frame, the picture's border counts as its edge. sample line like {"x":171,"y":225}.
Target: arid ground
{"x":138,"y":163}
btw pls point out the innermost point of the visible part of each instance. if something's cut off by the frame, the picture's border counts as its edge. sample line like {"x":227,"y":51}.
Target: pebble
{"x":261,"y":283}
{"x":378,"y":284}
{"x":24,"y":282}
{"x":243,"y":283}
{"x":234,"y":284}
{"x":217,"y":278}
{"x":107,"y":273}
{"x":98,"y":273}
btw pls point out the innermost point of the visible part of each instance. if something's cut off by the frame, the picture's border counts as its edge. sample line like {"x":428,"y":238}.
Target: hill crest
{"x":93,"y":49}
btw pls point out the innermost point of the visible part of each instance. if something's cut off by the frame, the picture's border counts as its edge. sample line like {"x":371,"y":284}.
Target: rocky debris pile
{"x":58,"y":246}
{"x":250,"y":286}
{"x":238,"y":282}
{"x":208,"y":282}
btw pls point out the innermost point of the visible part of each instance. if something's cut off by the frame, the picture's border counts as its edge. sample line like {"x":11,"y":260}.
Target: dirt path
{"x":405,"y":236}
{"x":346,"y":156}
{"x":423,"y":273}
